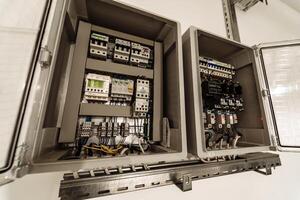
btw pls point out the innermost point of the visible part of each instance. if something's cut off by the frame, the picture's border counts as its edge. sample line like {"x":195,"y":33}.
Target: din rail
{"x":89,"y":184}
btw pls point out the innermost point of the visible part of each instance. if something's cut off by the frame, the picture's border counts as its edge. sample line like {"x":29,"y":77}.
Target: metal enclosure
{"x":126,"y":22}
{"x":253,"y":122}
{"x":57,"y":99}
{"x":266,"y":71}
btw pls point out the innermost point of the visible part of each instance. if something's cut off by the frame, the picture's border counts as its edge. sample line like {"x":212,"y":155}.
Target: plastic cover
{"x":282,"y":69}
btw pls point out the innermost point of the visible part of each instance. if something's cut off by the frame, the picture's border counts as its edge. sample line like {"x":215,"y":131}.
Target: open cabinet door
{"x":27,"y":30}
{"x":280,"y":64}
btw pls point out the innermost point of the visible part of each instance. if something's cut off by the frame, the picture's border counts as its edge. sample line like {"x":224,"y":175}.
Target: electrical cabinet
{"x":227,"y":115}
{"x":114,"y":90}
{"x":231,"y":108}
{"x":112,"y":99}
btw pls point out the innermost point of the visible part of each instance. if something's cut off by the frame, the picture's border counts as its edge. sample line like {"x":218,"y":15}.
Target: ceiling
{"x":295,"y":4}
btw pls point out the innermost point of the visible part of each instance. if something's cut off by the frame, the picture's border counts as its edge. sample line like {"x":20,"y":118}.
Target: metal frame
{"x":88,"y":184}
{"x":231,"y":25}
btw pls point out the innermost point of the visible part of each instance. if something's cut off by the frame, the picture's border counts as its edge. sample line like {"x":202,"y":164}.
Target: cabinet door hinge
{"x":22,"y":165}
{"x":45,"y":57}
{"x":21,"y":171}
{"x":256,"y":51}
{"x":275,"y":144}
{"x":265,"y":92}
{"x":5,"y":180}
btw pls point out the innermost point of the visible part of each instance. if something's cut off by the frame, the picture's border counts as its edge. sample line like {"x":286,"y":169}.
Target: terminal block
{"x":216,"y":68}
{"x":85,"y":128}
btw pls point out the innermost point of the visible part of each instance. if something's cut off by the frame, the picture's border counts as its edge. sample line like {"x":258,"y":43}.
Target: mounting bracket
{"x":268,"y":171}
{"x":184,"y":183}
{"x":140,"y":177}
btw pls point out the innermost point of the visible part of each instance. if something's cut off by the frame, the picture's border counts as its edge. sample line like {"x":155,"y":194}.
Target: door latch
{"x":265,"y":93}
{"x":45,"y":57}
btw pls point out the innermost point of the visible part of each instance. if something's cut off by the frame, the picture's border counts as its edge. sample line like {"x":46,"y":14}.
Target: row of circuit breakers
{"x":119,"y":50}
{"x":222,"y":101}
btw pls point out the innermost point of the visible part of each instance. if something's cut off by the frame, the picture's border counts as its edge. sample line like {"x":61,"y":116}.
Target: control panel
{"x":222,"y":101}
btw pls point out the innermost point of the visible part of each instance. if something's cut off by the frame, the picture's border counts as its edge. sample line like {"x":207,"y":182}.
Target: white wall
{"x":274,"y":22}
{"x":201,"y":13}
{"x":260,"y":24}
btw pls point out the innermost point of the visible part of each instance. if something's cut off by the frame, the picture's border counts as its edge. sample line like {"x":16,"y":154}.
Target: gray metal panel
{"x":251,"y":117}
{"x":123,"y":18}
{"x":169,"y":40}
{"x":70,"y":115}
{"x":255,"y":112}
{"x":157,"y":92}
{"x":48,"y":140}
{"x":56,"y":95}
{"x":91,"y":109}
{"x":241,"y":58}
{"x":103,"y":66}
{"x":220,"y":48}
{"x":180,"y":84}
{"x":189,"y":60}
{"x":175,"y":138}
{"x":171,"y":89}
{"x":252,"y":135}
{"x":164,"y":32}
